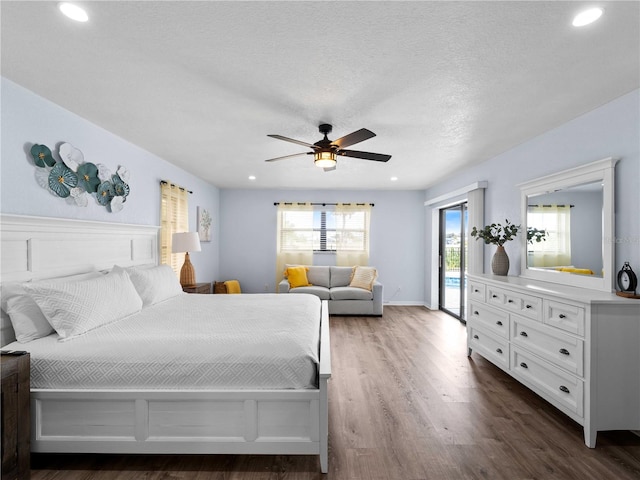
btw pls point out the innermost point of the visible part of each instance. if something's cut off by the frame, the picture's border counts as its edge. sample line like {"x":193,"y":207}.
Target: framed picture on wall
{"x":204,"y":224}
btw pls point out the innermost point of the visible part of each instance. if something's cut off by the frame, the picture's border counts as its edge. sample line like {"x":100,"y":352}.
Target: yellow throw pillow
{"x":297,"y":276}
{"x":363,"y":277}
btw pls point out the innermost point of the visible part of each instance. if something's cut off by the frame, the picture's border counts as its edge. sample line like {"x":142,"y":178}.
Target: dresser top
{"x":583,"y":295}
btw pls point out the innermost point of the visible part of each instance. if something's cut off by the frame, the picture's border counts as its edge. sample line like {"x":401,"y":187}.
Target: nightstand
{"x":198,"y":288}
{"x":16,"y":417}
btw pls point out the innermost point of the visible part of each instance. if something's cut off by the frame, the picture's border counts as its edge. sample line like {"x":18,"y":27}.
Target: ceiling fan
{"x":325,"y":151}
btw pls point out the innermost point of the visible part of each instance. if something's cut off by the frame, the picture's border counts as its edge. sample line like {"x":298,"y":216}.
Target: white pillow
{"x":28,"y":321}
{"x":363,"y":277}
{"x":155,"y":284}
{"x":75,"y":308}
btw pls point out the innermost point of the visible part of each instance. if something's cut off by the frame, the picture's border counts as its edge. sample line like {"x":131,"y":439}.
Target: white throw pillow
{"x":28,"y":321}
{"x":363,"y":277}
{"x":155,"y":284}
{"x":75,"y":308}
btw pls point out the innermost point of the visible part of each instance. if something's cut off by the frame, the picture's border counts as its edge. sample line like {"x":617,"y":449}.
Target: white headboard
{"x":33,"y":248}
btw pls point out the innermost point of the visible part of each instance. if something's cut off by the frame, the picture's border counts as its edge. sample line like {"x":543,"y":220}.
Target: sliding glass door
{"x":453,"y":254}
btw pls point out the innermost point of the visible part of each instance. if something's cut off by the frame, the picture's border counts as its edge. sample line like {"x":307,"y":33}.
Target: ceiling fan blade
{"x":287,"y":139}
{"x":353,"y":138}
{"x":377,"y":157}
{"x":289,"y":156}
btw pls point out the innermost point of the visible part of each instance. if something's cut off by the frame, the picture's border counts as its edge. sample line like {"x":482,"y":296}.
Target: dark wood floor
{"x":405,"y":403}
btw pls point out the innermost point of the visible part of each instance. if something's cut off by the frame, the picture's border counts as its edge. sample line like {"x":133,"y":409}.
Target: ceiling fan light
{"x":325,"y":159}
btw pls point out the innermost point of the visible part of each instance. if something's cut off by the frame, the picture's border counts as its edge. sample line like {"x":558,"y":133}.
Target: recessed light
{"x":74,"y":12}
{"x":252,"y":177}
{"x":587,"y":16}
{"x":394,"y":179}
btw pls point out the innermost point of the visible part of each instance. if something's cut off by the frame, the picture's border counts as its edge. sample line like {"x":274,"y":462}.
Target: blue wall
{"x":28,"y":119}
{"x":613,"y":130}
{"x":248,"y":237}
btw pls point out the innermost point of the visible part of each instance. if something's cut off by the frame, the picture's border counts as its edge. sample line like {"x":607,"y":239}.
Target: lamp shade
{"x":185,"y":242}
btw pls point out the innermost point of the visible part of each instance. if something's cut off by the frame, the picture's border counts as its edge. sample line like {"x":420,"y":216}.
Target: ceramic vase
{"x":500,"y":262}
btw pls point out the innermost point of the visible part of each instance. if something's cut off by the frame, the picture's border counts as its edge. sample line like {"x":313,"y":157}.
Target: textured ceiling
{"x":442,"y":84}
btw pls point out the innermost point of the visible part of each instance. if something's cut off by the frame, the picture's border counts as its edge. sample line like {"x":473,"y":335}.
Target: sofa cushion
{"x":318,"y":275}
{"x":341,"y":276}
{"x":297,"y":276}
{"x":321,"y":292}
{"x":363,"y":277}
{"x":350,"y":293}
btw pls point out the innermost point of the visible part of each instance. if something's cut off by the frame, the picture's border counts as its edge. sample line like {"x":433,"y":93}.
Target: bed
{"x":137,"y":405}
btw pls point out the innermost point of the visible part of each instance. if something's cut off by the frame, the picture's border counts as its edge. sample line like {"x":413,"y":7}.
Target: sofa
{"x":333,"y":284}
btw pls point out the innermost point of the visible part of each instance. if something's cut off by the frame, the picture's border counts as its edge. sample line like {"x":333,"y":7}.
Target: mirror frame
{"x":601,"y":170}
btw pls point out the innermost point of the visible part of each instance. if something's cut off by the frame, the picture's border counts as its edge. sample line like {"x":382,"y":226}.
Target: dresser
{"x":579,"y":349}
{"x":16,"y":422}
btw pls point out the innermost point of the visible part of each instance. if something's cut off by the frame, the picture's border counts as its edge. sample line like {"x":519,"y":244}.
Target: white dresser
{"x":577,"y":348}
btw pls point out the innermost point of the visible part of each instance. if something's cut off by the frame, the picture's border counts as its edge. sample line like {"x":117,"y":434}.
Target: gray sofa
{"x":332,"y":284}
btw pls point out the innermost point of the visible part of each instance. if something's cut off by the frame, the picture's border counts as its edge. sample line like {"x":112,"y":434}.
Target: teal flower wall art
{"x":77,"y":181}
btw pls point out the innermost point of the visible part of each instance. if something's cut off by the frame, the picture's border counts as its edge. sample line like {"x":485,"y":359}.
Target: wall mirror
{"x":569,"y":219}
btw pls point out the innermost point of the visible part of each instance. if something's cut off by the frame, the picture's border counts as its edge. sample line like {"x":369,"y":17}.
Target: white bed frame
{"x":283,"y":422}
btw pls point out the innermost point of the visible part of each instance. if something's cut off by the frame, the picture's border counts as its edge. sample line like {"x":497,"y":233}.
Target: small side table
{"x":198,"y":288}
{"x":16,"y":417}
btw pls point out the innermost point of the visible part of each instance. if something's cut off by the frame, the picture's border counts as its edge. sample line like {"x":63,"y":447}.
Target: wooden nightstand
{"x":198,"y":288}
{"x":16,"y":417}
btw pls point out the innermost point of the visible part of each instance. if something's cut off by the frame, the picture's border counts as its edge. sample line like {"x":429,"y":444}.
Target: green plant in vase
{"x":497,"y":234}
{"x":536,"y":235}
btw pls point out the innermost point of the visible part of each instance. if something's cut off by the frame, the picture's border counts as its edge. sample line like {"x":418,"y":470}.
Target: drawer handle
{"x":528,"y":306}
{"x":499,"y":323}
{"x":523,"y":334}
{"x":475,"y":312}
{"x":564,"y":351}
{"x":494,"y":296}
{"x":524,"y":365}
{"x":510,"y":301}
{"x":476,"y":337}
{"x":562,"y":315}
{"x":499,"y":350}
{"x":476,"y":290}
{"x":564,"y":389}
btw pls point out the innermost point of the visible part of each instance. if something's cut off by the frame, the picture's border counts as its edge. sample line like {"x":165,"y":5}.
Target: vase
{"x":500,"y":262}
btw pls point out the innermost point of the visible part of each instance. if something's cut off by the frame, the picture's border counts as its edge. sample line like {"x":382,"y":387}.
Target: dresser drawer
{"x":476,"y":291}
{"x":493,"y":348}
{"x":564,"y":316}
{"x":558,"y":348}
{"x":520,"y":303}
{"x":559,"y":387}
{"x":497,"y":321}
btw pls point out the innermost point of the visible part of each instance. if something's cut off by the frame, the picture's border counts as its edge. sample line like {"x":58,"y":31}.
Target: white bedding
{"x":189,"y":342}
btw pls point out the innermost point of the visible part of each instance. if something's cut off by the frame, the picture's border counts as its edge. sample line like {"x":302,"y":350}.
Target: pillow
{"x":297,"y":276}
{"x":74,"y":308}
{"x":28,"y":321}
{"x":155,"y":284}
{"x":363,"y":277}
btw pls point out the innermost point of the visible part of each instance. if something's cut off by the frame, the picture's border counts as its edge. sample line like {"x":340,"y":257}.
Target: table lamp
{"x":186,"y":242}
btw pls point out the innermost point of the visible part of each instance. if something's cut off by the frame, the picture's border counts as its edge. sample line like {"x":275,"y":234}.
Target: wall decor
{"x":204,"y":224}
{"x":76,"y":181}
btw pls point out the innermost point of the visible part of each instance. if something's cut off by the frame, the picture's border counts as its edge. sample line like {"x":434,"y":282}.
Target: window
{"x":174,"y":217}
{"x":323,"y":228}
{"x":339,"y":228}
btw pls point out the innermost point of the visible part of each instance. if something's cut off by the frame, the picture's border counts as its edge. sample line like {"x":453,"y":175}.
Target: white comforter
{"x":190,"y":342}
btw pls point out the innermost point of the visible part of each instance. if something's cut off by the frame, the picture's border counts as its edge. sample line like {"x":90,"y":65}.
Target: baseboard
{"x":402,"y":303}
